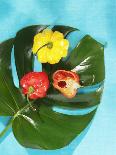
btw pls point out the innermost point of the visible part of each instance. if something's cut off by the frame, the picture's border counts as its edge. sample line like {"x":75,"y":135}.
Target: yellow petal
{"x":50,"y":57}
{"x":47,"y":33}
{"x":41,"y":39}
{"x":38,"y":42}
{"x":64,"y":43}
{"x":42,"y":54}
{"x":36,"y":46}
{"x":64,"y":52}
{"x":60,"y":51}
{"x":46,"y":36}
{"x":37,"y":37}
{"x":57,"y":36}
{"x":56,"y":55}
{"x":56,"y":59}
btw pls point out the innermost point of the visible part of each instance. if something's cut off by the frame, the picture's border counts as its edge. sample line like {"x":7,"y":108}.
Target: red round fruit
{"x":35,"y":84}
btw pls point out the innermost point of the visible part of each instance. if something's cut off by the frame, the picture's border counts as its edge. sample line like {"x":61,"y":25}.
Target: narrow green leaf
{"x":46,"y":129}
{"x":10,"y":97}
{"x":23,"y":48}
{"x":64,"y":29}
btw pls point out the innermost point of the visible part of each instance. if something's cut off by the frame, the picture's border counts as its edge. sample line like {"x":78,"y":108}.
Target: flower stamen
{"x":50,"y":45}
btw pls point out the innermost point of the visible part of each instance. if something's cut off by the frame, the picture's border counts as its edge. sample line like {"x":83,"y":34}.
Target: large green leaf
{"x":40,"y":126}
{"x":46,"y":129}
{"x":23,"y":48}
{"x":10,"y":97}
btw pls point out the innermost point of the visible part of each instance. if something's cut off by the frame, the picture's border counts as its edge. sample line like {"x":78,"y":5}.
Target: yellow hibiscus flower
{"x":50,"y":46}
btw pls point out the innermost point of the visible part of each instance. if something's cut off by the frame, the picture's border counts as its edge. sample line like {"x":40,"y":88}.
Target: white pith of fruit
{"x":70,"y":88}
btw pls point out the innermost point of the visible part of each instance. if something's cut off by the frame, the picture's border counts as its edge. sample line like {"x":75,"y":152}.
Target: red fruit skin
{"x":61,"y":74}
{"x":38,"y":80}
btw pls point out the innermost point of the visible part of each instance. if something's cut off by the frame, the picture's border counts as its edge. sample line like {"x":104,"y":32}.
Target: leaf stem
{"x":6,"y":128}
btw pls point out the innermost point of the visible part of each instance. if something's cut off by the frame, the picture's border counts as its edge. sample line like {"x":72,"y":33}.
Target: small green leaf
{"x":46,"y":129}
{"x":10,"y":97}
{"x":64,"y":29}
{"x":23,"y":48}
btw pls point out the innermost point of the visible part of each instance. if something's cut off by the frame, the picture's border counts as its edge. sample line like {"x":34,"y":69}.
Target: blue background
{"x":97,"y":18}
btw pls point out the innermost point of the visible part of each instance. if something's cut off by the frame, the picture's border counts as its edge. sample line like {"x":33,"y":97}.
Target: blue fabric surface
{"x":97,"y":18}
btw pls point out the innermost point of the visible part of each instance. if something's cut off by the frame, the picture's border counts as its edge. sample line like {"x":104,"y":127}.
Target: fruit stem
{"x":7,"y":127}
{"x":29,"y":101}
